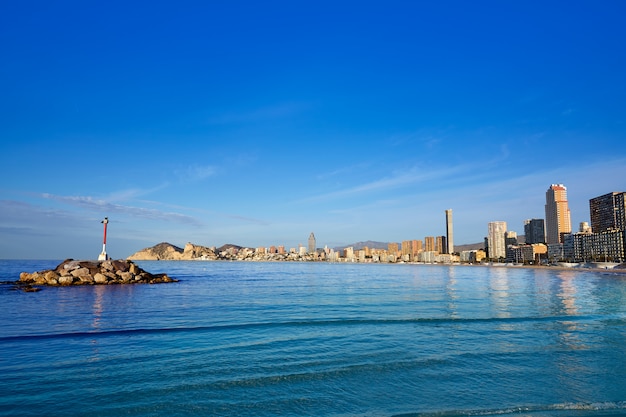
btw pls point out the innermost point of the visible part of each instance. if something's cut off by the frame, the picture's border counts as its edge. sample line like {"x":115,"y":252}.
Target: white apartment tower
{"x":496,"y":243}
{"x":558,"y":222}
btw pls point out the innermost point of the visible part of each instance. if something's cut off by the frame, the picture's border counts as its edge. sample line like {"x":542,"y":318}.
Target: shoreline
{"x":614,"y":270}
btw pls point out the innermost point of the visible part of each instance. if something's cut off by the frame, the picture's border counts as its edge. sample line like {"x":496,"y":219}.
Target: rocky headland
{"x":167,"y":252}
{"x":109,"y":272}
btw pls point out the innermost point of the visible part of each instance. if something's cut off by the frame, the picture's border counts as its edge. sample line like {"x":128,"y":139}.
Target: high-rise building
{"x":407,"y":247}
{"x":414,"y":248}
{"x":312,"y":243}
{"x":440,"y":244}
{"x":393,"y":248}
{"x":534,"y":231}
{"x":429,"y":244}
{"x":449,"y":232}
{"x":584,"y":227}
{"x":496,"y":240}
{"x":608,"y":212}
{"x":558,"y":222}
{"x":417,"y":247}
{"x":510,"y":238}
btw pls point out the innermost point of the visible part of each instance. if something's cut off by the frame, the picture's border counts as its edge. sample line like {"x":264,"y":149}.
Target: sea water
{"x":317,"y":339}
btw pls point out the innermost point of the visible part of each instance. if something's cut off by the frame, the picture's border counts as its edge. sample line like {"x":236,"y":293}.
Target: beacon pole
{"x":103,"y":256}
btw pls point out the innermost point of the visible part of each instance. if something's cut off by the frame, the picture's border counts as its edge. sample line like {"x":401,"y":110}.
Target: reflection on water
{"x":569,"y":335}
{"x":568,"y":291}
{"x":499,"y":291}
{"x":451,"y":293}
{"x":97,"y":308}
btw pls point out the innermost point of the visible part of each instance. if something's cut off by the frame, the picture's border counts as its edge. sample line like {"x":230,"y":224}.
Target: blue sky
{"x":257,"y":123}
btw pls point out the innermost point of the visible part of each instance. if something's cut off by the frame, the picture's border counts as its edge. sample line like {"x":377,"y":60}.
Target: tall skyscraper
{"x":312,"y":243}
{"x":535,"y":231}
{"x":558,"y":222}
{"x":496,"y":243}
{"x":449,"y":232}
{"x":608,"y":211}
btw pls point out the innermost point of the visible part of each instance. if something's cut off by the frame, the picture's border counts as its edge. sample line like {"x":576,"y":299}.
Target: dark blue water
{"x":317,"y":339}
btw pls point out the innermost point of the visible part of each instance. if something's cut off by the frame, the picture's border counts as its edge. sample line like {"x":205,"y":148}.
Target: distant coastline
{"x":167,"y":252}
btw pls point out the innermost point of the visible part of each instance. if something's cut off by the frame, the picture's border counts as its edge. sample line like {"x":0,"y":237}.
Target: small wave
{"x":292,"y":323}
{"x":548,"y":410}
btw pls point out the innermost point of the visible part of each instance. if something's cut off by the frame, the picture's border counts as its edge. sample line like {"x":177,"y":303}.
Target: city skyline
{"x":249,"y":124}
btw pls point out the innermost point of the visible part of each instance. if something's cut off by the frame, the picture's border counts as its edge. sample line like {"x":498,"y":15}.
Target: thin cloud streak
{"x":398,"y":181}
{"x":107,"y":207}
{"x":196,"y":173}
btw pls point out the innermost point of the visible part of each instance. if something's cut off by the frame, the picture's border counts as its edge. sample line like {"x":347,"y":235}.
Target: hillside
{"x":168,"y":252}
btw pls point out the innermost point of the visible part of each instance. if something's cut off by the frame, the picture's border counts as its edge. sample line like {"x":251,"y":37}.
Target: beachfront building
{"x":534,"y":231}
{"x":528,"y":253}
{"x":312,"y":243}
{"x":472,"y":256}
{"x":559,"y":251}
{"x":496,"y":244}
{"x":429,"y":244}
{"x":393,"y":249}
{"x":440,"y":244}
{"x":510,"y":238}
{"x":427,"y":257}
{"x":407,"y":250}
{"x":417,"y":248}
{"x":558,"y":221}
{"x":606,"y":246}
{"x":608,"y":212}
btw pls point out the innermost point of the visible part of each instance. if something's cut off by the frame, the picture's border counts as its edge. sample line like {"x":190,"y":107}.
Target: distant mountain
{"x":367,"y":244}
{"x":163,"y":250}
{"x":227,"y":246}
{"x":469,"y":246}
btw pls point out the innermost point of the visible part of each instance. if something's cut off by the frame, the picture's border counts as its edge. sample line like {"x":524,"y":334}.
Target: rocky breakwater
{"x":109,"y":272}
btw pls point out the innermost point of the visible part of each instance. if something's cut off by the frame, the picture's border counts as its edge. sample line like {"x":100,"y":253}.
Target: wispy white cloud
{"x":425,"y":138}
{"x":134,"y":193}
{"x":410,"y":178}
{"x":195,"y":173}
{"x":101,"y":205}
{"x":346,"y":170}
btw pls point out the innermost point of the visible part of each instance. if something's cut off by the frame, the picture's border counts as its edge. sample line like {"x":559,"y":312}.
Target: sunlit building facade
{"x":558,"y":221}
{"x":496,"y":244}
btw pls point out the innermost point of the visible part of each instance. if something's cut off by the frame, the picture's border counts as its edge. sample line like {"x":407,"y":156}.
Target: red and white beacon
{"x":103,"y":256}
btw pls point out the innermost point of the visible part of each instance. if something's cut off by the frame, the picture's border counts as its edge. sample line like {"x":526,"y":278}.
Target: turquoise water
{"x":317,"y":339}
